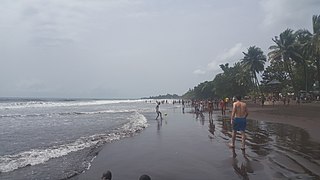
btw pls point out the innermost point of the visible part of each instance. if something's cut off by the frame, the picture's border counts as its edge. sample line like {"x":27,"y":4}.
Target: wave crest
{"x":9,"y":163}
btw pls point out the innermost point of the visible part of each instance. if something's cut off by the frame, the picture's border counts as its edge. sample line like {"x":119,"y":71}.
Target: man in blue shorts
{"x":239,"y":121}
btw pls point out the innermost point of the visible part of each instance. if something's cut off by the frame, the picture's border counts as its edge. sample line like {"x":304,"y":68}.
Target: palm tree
{"x":242,"y":78}
{"x":303,"y":39}
{"x":315,"y":43}
{"x":285,"y":50}
{"x":253,"y":62}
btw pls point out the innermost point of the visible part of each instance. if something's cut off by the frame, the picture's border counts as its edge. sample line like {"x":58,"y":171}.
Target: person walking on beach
{"x":210,"y":109}
{"x":201,"y":109}
{"x":223,"y":107}
{"x":239,"y":121}
{"x":263,"y":99}
{"x":183,"y":106}
{"x":158,"y":111}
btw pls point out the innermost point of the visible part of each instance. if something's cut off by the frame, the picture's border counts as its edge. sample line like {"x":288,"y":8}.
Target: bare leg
{"x":233,"y":140}
{"x":243,"y":135}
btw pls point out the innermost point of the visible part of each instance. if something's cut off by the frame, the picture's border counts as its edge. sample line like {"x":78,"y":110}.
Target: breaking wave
{"x":137,"y":122}
{"x":65,"y":113}
{"x":43,"y":104}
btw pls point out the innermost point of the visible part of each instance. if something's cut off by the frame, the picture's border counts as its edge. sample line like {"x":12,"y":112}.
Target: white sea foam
{"x":43,"y":104}
{"x":9,"y":163}
{"x":67,"y":113}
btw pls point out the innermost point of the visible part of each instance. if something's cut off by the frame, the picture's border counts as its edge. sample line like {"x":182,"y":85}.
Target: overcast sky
{"x":132,"y":48}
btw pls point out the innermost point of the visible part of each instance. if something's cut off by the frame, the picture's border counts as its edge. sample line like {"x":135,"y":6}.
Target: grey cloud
{"x":129,"y":48}
{"x":286,"y":13}
{"x":230,"y":56}
{"x":51,"y":41}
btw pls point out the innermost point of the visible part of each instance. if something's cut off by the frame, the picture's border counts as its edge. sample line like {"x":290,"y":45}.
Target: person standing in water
{"x":158,"y":111}
{"x":239,"y":121}
{"x":183,"y":106}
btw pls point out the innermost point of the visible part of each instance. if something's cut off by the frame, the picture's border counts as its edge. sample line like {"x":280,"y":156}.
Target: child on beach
{"x":158,"y":111}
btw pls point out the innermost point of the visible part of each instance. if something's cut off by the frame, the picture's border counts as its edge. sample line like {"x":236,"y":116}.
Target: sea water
{"x":58,"y":138}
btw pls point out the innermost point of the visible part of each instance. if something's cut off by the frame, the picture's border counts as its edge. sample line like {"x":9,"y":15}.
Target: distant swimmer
{"x":239,"y":121}
{"x":158,"y":111}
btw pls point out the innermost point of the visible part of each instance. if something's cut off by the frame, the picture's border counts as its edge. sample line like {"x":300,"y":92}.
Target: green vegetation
{"x":168,"y":96}
{"x":294,"y":63}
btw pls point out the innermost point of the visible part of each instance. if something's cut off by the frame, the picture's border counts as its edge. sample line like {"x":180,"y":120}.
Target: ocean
{"x":58,"y":138}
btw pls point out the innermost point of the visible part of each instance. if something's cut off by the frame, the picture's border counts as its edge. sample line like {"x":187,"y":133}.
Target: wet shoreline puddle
{"x":281,"y":151}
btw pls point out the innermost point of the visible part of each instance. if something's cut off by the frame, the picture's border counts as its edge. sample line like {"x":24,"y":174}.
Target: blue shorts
{"x":239,"y":124}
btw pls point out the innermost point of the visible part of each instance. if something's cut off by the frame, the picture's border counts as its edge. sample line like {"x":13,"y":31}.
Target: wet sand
{"x":183,"y":147}
{"x":306,"y":116}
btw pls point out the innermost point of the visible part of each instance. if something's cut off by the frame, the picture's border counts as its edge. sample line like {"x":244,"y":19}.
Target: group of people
{"x":286,"y":100}
{"x":238,"y":120}
{"x":210,"y":106}
{"x":238,"y":116}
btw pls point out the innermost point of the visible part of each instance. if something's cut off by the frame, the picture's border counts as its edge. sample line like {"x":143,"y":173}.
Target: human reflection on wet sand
{"x":159,"y":125}
{"x":241,"y":168}
{"x":202,"y":119}
{"x":212,"y":128}
{"x":284,"y":149}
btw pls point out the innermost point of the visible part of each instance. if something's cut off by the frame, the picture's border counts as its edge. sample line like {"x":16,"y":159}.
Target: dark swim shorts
{"x":239,"y":124}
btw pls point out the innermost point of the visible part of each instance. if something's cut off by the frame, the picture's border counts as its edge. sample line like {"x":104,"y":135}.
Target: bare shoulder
{"x":243,"y":104}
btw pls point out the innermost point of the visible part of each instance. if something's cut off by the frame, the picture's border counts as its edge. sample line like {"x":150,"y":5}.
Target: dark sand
{"x":305,"y":115}
{"x":183,"y":147}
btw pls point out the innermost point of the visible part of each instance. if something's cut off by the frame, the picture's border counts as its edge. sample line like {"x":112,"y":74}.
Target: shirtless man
{"x":239,"y":121}
{"x":223,"y":107}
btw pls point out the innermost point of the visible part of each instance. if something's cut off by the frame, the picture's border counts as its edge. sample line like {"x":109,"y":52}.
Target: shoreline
{"x":183,"y":147}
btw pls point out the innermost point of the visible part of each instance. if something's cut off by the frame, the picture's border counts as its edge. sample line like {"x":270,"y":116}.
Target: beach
{"x":183,"y":147}
{"x":58,"y":138}
{"x":305,"y":115}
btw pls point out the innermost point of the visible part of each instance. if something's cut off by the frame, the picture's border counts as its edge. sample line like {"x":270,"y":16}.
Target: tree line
{"x":294,"y":59}
{"x":167,"y":96}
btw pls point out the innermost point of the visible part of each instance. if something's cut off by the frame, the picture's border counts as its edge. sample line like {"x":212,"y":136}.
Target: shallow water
{"x":282,"y":151}
{"x":57,"y":139}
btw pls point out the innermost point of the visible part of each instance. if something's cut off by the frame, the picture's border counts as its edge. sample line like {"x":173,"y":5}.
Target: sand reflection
{"x":242,"y":168}
{"x":282,"y":150}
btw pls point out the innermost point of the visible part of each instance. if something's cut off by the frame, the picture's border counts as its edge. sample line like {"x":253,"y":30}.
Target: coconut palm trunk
{"x":316,"y":43}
